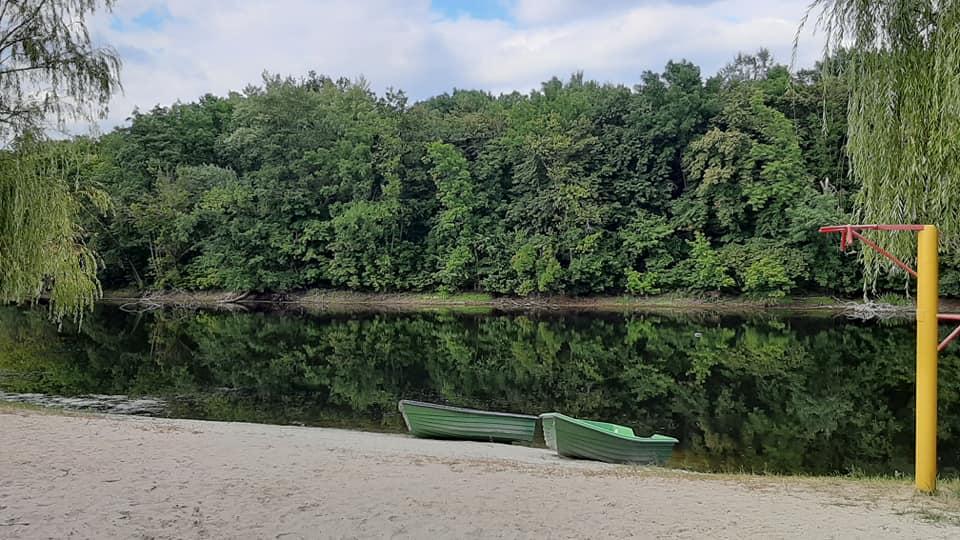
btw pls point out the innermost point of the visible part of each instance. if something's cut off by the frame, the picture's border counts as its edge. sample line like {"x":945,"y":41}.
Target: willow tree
{"x":42,"y":194}
{"x":904,"y":112}
{"x":50,"y":71}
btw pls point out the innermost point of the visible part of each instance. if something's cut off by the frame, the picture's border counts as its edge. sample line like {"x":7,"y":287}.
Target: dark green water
{"x":754,"y":393}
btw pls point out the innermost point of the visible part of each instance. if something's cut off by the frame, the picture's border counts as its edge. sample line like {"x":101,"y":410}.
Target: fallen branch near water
{"x":869,"y":310}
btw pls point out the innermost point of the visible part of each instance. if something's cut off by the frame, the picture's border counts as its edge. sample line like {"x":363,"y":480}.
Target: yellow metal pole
{"x":927,"y":341}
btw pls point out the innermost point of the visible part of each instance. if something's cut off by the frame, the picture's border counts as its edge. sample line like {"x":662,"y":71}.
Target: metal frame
{"x":927,"y":275}
{"x":850,"y":232}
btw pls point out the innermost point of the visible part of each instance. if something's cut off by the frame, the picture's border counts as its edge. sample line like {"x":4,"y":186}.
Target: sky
{"x":181,"y":49}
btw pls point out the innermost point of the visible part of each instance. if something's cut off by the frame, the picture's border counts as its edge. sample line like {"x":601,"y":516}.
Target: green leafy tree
{"x":50,"y":71}
{"x":705,"y":269}
{"x":903,"y":112}
{"x":575,"y":188}
{"x":457,"y":230}
{"x":42,"y":196}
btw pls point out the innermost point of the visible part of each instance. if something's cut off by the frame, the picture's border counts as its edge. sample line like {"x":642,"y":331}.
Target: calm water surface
{"x":753,"y":393}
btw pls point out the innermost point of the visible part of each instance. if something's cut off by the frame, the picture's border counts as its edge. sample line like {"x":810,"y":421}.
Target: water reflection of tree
{"x":759,"y":394}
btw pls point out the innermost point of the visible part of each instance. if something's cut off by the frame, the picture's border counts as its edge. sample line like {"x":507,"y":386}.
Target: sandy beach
{"x":97,"y":476}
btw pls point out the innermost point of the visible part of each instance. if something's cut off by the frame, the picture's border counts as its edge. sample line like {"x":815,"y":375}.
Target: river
{"x":761,"y":392}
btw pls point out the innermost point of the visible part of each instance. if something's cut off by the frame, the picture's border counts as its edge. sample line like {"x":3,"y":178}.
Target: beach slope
{"x":90,"y":476}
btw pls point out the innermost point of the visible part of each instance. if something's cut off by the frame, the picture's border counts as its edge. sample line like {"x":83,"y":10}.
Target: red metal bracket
{"x":850,"y":232}
{"x":953,"y":335}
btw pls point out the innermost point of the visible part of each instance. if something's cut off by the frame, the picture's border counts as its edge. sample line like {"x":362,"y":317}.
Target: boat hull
{"x":549,"y":423}
{"x":432,"y":421}
{"x":575,"y":438}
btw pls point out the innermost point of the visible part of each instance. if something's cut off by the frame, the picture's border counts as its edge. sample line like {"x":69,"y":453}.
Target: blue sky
{"x":152,"y":18}
{"x":180,"y":49}
{"x":479,"y":9}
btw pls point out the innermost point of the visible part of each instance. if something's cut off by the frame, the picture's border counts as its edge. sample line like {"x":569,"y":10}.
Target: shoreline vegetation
{"x":682,"y":182}
{"x":885,"y":306}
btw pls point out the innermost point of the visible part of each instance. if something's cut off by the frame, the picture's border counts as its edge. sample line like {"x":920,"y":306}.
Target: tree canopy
{"x":681,"y":182}
{"x":50,"y":71}
{"x":902,"y":61}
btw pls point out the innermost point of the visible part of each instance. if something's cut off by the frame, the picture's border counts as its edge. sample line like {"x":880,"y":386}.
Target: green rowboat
{"x":434,"y":421}
{"x":600,"y":441}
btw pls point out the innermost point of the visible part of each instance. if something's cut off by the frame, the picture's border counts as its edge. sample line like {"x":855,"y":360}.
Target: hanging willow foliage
{"x":50,"y":70}
{"x":904,"y":113}
{"x":42,"y":251}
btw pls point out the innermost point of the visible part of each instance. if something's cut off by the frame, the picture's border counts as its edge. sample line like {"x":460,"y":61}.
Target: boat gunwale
{"x":427,"y":405}
{"x":636,"y":438}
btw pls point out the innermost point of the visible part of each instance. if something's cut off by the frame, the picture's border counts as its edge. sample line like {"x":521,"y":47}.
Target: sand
{"x":90,"y":476}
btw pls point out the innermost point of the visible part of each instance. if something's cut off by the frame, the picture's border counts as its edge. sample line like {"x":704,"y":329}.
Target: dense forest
{"x":678,"y":183}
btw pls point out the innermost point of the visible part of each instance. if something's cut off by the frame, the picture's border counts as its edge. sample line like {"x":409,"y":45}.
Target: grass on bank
{"x":11,"y":407}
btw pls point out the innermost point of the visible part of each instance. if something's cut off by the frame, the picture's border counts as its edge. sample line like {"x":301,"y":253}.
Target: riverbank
{"x":98,"y":476}
{"x":351,"y":301}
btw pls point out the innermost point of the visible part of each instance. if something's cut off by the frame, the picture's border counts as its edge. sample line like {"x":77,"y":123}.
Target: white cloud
{"x":222,"y":45}
{"x":551,"y":11}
